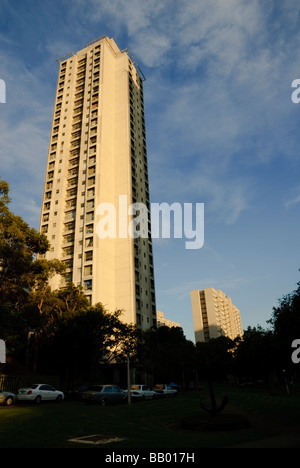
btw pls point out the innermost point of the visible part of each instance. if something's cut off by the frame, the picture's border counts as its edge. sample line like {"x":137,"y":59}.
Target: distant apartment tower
{"x":97,"y":155}
{"x":214,"y":315}
{"x":162,"y":321}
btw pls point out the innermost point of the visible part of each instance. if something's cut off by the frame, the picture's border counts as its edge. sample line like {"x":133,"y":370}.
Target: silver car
{"x":7,"y":398}
{"x":39,"y":392}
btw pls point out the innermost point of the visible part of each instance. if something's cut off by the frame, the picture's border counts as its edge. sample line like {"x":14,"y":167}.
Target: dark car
{"x":74,"y":393}
{"x":103,"y":395}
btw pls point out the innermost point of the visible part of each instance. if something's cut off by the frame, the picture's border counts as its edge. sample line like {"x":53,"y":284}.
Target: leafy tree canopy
{"x":19,"y":247}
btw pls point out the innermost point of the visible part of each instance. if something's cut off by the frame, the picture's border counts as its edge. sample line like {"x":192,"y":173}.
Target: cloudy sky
{"x":221,"y":130}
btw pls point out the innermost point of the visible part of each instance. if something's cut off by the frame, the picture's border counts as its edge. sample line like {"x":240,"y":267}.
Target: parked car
{"x":164,"y":390}
{"x":74,"y":393}
{"x":144,"y":392}
{"x":175,"y":386}
{"x":104,"y":394}
{"x":7,"y":398}
{"x":39,"y":392}
{"x":135,"y":396}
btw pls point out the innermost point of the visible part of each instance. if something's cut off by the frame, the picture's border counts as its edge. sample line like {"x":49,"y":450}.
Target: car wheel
{"x":9,"y":401}
{"x":38,"y":400}
{"x":103,"y":402}
{"x":59,"y":399}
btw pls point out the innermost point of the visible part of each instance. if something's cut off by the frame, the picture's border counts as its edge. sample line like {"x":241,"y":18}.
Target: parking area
{"x":100,"y":394}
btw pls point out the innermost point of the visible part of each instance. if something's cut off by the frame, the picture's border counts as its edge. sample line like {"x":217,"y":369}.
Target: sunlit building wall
{"x":162,"y":321}
{"x":214,"y":315}
{"x":98,"y":155}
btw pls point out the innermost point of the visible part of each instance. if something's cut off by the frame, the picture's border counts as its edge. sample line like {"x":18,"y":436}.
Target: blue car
{"x":7,"y":398}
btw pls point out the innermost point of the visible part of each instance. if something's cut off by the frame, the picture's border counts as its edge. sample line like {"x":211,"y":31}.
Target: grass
{"x":149,"y":424}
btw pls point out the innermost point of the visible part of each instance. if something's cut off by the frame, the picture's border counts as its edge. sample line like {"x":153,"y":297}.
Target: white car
{"x":164,"y":390}
{"x":38,"y":393}
{"x":143,"y":391}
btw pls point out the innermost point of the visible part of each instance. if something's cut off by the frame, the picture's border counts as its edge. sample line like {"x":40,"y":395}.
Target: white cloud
{"x":25,"y":122}
{"x":215,"y":92}
{"x":152,"y":46}
{"x":183,"y":290}
{"x":225,"y":198}
{"x":134,"y":15}
{"x":294,"y":198}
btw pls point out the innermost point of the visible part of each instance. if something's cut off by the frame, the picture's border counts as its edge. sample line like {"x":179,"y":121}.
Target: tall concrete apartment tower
{"x":214,"y":315}
{"x":98,"y":155}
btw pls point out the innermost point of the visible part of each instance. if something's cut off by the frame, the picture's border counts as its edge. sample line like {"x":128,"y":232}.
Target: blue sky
{"x":221,"y":130}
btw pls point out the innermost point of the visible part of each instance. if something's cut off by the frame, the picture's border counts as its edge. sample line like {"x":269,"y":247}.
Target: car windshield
{"x":134,"y":387}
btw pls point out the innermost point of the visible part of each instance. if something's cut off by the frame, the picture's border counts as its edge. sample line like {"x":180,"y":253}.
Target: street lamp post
{"x":128,"y":380}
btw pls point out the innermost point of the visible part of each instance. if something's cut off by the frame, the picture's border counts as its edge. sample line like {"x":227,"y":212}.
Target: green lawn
{"x":149,"y":424}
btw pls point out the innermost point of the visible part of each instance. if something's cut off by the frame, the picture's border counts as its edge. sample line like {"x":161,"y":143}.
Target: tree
{"x":88,"y":339}
{"x":36,"y":281}
{"x":257,"y":355}
{"x":167,"y":355}
{"x":19,"y":247}
{"x":286,"y":325}
{"x":24,"y":277}
{"x":215,"y":359}
{"x":4,"y":198}
{"x":70,"y":300}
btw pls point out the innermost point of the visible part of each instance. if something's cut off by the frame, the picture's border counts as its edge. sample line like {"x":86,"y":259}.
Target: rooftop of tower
{"x":115,"y":49}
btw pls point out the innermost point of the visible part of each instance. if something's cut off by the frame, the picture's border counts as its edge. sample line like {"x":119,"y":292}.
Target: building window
{"x":88,"y":284}
{"x":88,"y":270}
{"x":91,"y":193}
{"x":89,"y":256}
{"x":91,"y":181}
{"x":89,"y":229}
{"x":90,"y":216}
{"x":70,"y":215}
{"x":89,"y":242}
{"x":90,"y":204}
